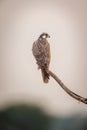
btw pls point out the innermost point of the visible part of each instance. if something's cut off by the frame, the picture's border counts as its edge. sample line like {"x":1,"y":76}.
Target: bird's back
{"x":41,"y":52}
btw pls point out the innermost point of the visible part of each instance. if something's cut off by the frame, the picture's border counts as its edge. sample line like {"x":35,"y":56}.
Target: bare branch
{"x":72,"y":94}
{"x":41,"y":52}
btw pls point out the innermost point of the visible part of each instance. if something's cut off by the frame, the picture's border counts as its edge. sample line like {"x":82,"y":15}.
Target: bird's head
{"x":44,"y":35}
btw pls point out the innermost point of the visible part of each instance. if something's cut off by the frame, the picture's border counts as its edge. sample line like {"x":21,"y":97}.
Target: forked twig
{"x":72,"y":94}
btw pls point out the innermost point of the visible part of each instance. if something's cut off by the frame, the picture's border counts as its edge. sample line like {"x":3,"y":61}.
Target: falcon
{"x":41,"y":52}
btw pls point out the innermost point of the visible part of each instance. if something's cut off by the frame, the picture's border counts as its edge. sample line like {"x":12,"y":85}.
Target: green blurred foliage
{"x":24,"y":117}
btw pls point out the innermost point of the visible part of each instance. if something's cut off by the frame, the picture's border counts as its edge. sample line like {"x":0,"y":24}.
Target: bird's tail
{"x":45,"y":75}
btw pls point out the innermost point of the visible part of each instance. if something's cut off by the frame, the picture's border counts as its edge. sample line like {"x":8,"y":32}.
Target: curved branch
{"x":72,"y":94}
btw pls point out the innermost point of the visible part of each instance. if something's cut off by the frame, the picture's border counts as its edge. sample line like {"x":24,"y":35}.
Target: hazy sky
{"x":21,"y":22}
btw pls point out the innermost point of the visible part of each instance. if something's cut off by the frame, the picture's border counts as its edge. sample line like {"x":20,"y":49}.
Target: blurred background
{"x":21,"y":22}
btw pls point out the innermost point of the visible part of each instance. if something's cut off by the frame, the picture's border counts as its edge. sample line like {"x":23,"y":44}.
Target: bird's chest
{"x":42,"y":45}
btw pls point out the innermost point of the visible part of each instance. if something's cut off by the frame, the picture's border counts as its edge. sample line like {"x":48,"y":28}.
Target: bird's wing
{"x":41,"y":53}
{"x":35,"y":49}
{"x":48,"y":54}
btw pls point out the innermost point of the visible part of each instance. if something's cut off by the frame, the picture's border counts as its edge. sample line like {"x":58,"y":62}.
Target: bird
{"x":41,"y":52}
